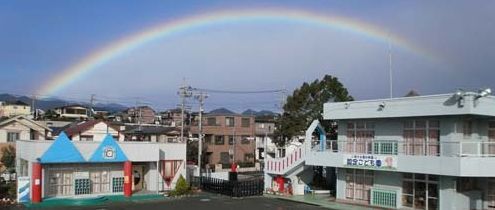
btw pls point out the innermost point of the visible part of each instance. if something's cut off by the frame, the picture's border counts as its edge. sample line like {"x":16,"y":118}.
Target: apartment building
{"x":228,"y":137}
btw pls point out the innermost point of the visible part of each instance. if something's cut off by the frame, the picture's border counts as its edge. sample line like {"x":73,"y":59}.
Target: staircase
{"x":295,"y":162}
{"x":285,"y":165}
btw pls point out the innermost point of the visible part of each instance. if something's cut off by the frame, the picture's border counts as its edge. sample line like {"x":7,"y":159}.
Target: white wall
{"x":99,"y":131}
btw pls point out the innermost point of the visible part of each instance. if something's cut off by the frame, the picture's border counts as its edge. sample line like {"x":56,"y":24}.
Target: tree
{"x":8,"y":158}
{"x":192,"y":152}
{"x":306,"y":104}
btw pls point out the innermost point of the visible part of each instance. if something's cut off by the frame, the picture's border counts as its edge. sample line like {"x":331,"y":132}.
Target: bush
{"x":8,"y":190}
{"x":181,"y":188}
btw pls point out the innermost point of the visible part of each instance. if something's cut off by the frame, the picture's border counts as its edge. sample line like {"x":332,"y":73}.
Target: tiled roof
{"x":76,"y":128}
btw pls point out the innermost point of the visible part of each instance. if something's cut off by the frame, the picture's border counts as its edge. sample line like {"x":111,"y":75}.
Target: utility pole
{"x":265,"y":147}
{"x":91,"y":104}
{"x":390,"y":68}
{"x":200,"y":97}
{"x":233,"y":142}
{"x":282,"y":100}
{"x":137,"y":113}
{"x":184,"y":92}
{"x":33,"y":107}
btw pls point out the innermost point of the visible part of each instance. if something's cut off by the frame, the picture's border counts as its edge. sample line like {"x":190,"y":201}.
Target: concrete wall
{"x":135,"y":151}
{"x":434,"y":105}
{"x":99,"y":131}
{"x":448,"y":163}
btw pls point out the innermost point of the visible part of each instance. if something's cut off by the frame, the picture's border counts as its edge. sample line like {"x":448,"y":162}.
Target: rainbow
{"x":129,"y":43}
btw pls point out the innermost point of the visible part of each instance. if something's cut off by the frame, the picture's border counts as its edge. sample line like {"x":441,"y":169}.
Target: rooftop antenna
{"x":390,"y":67}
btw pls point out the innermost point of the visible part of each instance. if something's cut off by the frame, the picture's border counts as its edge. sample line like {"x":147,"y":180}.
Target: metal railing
{"x":241,"y":188}
{"x":416,"y":148}
{"x":283,"y":164}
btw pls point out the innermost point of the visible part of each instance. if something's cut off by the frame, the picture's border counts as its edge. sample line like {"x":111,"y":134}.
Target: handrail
{"x":448,"y":148}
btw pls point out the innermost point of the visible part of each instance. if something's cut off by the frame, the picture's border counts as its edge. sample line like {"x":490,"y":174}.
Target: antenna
{"x":390,"y":67}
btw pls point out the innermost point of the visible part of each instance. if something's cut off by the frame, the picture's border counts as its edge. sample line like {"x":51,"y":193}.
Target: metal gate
{"x":242,"y":188}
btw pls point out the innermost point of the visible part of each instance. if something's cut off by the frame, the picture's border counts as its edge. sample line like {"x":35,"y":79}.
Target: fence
{"x":422,"y":148}
{"x":241,"y":188}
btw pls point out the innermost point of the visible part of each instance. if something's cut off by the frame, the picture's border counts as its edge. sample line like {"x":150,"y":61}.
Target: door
{"x":137,"y":178}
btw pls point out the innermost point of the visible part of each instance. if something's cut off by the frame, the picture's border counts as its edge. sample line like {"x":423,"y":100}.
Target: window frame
{"x":227,"y":119}
{"x":243,"y":122}
{"x":219,"y":140}
{"x":10,"y":138}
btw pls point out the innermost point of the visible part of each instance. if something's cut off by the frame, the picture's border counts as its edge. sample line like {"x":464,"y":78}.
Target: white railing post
{"x":460,"y":149}
{"x":479,"y":149}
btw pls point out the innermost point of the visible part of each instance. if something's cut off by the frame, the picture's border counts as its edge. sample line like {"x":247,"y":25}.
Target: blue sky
{"x":39,"y":39}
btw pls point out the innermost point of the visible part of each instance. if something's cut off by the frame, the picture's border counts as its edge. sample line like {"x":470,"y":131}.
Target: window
{"x":60,"y":183}
{"x":245,"y":122}
{"x":219,"y":140}
{"x":118,"y":184}
{"x":231,"y":140}
{"x":211,"y":121}
{"x":491,"y":138}
{"x":467,"y":128}
{"x":490,"y":194}
{"x":229,"y":121}
{"x":249,"y":157}
{"x":245,"y":140}
{"x":420,"y":191}
{"x":358,"y":184}
{"x":86,"y":138}
{"x":421,"y":137}
{"x":224,"y":157}
{"x":208,"y":139}
{"x":100,"y":181}
{"x":360,"y":136}
{"x":12,"y":136}
{"x":465,"y":184}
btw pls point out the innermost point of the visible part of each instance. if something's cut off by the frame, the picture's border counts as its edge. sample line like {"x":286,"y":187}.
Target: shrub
{"x":181,"y":188}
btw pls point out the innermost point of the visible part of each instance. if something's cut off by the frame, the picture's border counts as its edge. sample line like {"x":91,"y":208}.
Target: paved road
{"x":206,"y":202}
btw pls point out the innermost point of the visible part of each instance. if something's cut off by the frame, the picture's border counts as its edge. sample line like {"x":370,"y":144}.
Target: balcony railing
{"x":417,"y":148}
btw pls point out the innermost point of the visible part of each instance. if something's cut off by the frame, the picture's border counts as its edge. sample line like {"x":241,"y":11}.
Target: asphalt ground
{"x":204,"y":201}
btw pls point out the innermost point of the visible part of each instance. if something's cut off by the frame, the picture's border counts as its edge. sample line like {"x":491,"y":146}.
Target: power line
{"x":238,"y":92}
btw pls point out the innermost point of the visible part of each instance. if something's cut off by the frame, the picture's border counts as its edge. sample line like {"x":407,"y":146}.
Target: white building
{"x":75,"y":169}
{"x":425,"y":152}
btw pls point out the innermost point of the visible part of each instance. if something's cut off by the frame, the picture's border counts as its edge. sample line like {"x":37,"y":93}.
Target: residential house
{"x":140,"y":114}
{"x":14,"y":108}
{"x":21,"y":127}
{"x":92,"y":130}
{"x":228,"y":137}
{"x":173,"y":118}
{"x":152,"y":133}
{"x":265,"y":127}
{"x":70,"y":112}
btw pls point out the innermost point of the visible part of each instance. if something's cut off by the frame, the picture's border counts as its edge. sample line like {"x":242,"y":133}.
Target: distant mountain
{"x":50,"y":103}
{"x":260,"y":113}
{"x":111,"y":107}
{"x":221,"y":111}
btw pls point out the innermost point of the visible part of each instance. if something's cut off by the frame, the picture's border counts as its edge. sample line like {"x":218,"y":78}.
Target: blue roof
{"x":62,"y":150}
{"x":108,"y":151}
